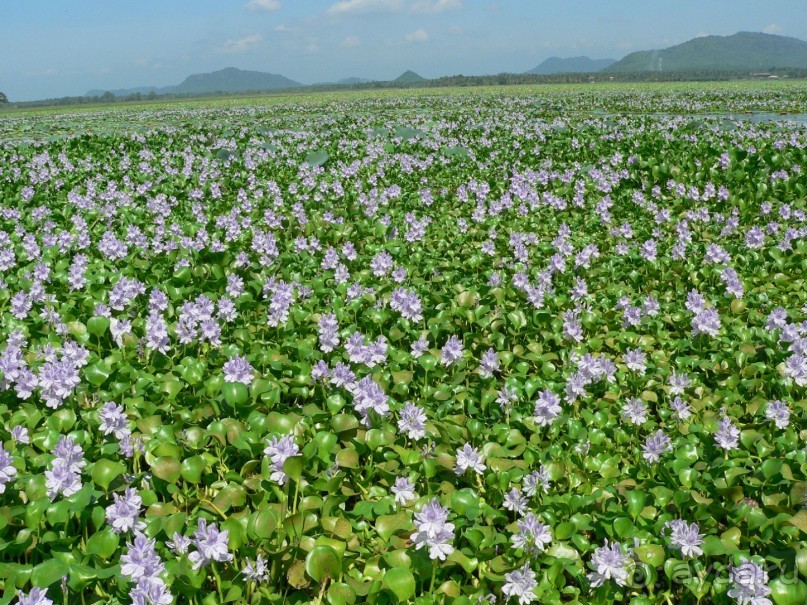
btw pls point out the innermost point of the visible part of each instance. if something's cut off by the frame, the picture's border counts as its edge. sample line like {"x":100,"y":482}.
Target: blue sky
{"x":51,"y":48}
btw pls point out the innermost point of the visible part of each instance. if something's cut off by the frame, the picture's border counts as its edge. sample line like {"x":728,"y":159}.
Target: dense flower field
{"x":433,"y":348}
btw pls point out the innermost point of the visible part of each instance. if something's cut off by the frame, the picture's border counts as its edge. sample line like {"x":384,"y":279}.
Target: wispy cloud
{"x":414,"y":7}
{"x":419,"y":35}
{"x":45,"y":73}
{"x":241,"y":45}
{"x":365,"y":6}
{"x":773,"y":28}
{"x":432,"y":7}
{"x":265,"y":6}
{"x":350,"y":42}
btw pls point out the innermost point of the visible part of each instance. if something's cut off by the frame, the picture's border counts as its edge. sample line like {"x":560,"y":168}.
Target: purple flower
{"x":279,"y":450}
{"x":57,"y":380}
{"x":123,"y":514}
{"x":451,"y":351}
{"x":37,"y":596}
{"x":515,"y":501}
{"x":113,"y":420}
{"x":636,"y":360}
{"x":779,"y":413}
{"x":547,"y":408}
{"x":404,"y":491}
{"x":685,"y":537}
{"x":151,"y":591}
{"x":678,"y":383}
{"x":211,"y":545}
{"x":64,"y":477}
{"x":536,"y":479}
{"x":369,"y":397}
{"x":469,"y":458}
{"x":533,"y":536}
{"x":20,"y":434}
{"x":412,"y":421}
{"x":521,"y":584}
{"x":257,"y":572}
{"x":681,"y":408}
{"x":706,"y":321}
{"x":506,"y":398}
{"x":381,"y":264}
{"x":7,"y":470}
{"x":141,"y":559}
{"x":609,"y":563}
{"x":328,"y":336}
{"x":407,"y":303}
{"x":433,"y":530}
{"x":727,"y":435}
{"x":419,"y":347}
{"x":749,"y":584}
{"x":489,"y":364}
{"x":179,"y":544}
{"x":238,"y":369}
{"x":635,"y":411}
{"x":655,"y":446}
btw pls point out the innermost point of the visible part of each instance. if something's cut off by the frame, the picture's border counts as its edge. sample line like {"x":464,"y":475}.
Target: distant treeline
{"x":504,"y":79}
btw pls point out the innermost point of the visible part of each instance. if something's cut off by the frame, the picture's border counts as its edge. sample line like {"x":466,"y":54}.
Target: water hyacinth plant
{"x":463,"y":347}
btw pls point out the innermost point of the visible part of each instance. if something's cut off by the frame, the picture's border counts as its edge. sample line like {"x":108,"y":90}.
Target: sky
{"x":53,"y":48}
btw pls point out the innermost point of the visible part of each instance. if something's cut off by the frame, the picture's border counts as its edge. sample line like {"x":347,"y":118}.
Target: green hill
{"x":231,"y":79}
{"x":409,"y":77}
{"x":742,"y":51}
{"x":571,"y":65}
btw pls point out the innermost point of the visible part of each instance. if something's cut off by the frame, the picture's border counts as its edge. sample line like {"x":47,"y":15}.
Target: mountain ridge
{"x":229,"y":79}
{"x":743,"y":51}
{"x":580,"y":65}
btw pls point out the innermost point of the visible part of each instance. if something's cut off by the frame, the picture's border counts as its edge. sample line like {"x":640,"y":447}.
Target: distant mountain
{"x":572,"y":65}
{"x":230,"y":79}
{"x":122,"y":92}
{"x":353,"y":81}
{"x":740,"y":52}
{"x":409,"y":77}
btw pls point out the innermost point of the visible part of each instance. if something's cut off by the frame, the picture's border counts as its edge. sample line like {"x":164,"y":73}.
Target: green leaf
{"x":166,"y":468}
{"x":293,"y":467}
{"x":388,"y":525}
{"x":97,"y":373}
{"x":98,"y":325}
{"x":316,"y":158}
{"x":49,"y":572}
{"x":652,"y":554}
{"x":623,"y":527}
{"x":105,"y":472}
{"x":192,"y":468}
{"x":401,"y":582}
{"x":103,"y":543}
{"x":323,"y":562}
{"x":235,"y":393}
{"x":340,"y":593}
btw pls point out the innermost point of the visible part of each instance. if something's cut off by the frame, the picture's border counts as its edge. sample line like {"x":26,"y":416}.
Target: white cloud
{"x":350,"y":42}
{"x":414,"y":7}
{"x":241,"y":45}
{"x":419,"y":35}
{"x":365,"y":6}
{"x":773,"y":28}
{"x":311,"y":48}
{"x":264,"y":6}
{"x":434,"y":6}
{"x":455,"y":29}
{"x":45,"y":73}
